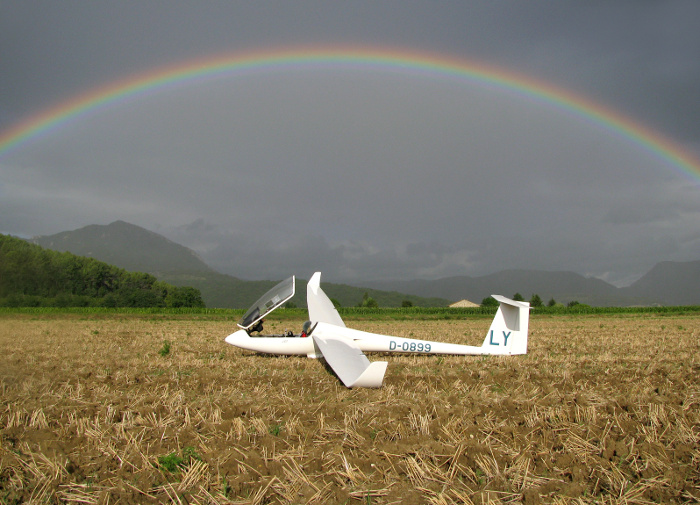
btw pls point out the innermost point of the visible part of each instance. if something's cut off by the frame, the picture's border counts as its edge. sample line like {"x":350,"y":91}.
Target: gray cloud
{"x":364,"y":174}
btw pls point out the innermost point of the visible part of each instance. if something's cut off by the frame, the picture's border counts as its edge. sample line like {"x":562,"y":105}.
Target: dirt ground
{"x":97,"y":409}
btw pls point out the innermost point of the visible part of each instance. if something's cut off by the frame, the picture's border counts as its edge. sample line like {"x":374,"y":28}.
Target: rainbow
{"x":363,"y":59}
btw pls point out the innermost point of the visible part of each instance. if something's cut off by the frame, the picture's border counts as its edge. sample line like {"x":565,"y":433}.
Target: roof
{"x":463,"y":303}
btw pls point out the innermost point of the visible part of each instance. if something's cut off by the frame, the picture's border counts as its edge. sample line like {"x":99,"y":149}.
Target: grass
{"x":603,"y":409}
{"x":171,"y":463}
{"x":275,"y":429}
{"x":165,"y":350}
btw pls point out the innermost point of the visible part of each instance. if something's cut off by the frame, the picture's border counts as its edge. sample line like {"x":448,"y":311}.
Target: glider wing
{"x":321,"y":308}
{"x":349,"y":363}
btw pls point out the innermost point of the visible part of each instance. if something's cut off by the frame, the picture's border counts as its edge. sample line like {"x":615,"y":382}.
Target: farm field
{"x":100,"y":409}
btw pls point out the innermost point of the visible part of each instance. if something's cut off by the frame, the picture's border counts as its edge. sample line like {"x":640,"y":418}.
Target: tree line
{"x":535,"y":302}
{"x":31,"y":276}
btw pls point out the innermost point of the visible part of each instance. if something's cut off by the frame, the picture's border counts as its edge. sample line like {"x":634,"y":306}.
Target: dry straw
{"x":604,"y":409}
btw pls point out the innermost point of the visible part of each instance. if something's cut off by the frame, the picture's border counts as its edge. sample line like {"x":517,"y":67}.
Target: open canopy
{"x":267,"y":303}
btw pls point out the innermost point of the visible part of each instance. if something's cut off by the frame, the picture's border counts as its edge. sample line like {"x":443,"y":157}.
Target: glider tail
{"x":508,"y":331}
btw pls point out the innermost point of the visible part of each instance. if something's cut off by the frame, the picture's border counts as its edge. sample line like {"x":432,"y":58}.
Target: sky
{"x":364,"y":172}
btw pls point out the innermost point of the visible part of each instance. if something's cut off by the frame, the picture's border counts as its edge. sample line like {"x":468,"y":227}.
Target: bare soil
{"x":601,"y":410}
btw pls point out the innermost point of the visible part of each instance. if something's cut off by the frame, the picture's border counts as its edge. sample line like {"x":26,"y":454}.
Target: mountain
{"x":134,"y":248}
{"x":562,"y":286}
{"x":670,"y":283}
{"x":127,"y":246}
{"x":33,"y":276}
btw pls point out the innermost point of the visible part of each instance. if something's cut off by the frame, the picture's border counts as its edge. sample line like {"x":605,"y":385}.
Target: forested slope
{"x":33,"y":276}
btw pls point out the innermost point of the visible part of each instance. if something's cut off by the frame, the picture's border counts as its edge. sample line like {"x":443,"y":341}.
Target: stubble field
{"x":603,"y":409}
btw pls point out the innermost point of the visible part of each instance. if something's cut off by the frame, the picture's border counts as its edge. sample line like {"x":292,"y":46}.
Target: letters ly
{"x":506,"y":336}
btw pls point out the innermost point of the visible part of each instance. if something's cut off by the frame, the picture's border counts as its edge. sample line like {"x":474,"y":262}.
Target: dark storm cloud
{"x":362,"y":174}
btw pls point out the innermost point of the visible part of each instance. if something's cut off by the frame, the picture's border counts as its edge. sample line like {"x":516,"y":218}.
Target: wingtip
{"x":372,"y":377}
{"x":315,"y":281}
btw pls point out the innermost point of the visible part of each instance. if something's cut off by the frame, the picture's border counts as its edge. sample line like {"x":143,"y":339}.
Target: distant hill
{"x":562,"y":286}
{"x":225,"y":291}
{"x":667,"y":283}
{"x":36,"y":277}
{"x":134,"y":248}
{"x":127,"y":246}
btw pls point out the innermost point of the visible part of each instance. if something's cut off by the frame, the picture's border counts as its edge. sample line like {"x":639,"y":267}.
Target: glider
{"x":325,"y":335}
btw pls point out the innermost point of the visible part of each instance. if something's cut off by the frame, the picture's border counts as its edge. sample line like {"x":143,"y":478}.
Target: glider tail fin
{"x":508,"y":331}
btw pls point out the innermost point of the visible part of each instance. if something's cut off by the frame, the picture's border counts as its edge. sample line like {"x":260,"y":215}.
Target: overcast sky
{"x":361,"y":172}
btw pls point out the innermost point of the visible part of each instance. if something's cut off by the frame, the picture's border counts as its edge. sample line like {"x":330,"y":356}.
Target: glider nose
{"x":237,"y":338}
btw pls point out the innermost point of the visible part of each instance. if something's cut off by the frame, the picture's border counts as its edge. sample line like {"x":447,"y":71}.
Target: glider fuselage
{"x":367,"y":342}
{"x":325,"y":335}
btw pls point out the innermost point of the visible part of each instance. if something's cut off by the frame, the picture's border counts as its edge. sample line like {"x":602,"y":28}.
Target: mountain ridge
{"x":114,"y":243}
{"x":135,"y":248}
{"x":562,"y":286}
{"x":667,"y":283}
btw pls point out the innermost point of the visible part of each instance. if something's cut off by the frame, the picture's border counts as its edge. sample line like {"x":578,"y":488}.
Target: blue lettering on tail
{"x":505,"y":337}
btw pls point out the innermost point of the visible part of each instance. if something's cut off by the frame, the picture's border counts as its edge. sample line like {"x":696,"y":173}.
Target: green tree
{"x":518,"y":297}
{"x":552,"y":302}
{"x":33,"y":276}
{"x":536,"y":301}
{"x":183,"y":297}
{"x":489,"y":301}
{"x":368,"y":302}
{"x":407,"y":303}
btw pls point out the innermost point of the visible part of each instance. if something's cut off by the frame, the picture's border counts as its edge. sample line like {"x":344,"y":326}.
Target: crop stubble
{"x":602,"y":409}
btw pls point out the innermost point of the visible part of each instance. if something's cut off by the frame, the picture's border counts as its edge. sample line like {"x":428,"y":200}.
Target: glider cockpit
{"x":268,"y":302}
{"x":252,"y":321}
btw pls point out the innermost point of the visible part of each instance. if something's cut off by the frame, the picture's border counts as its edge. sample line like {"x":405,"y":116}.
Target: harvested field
{"x":97,"y":409}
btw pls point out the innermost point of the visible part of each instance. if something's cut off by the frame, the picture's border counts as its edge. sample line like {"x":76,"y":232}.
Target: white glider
{"x":325,"y":335}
